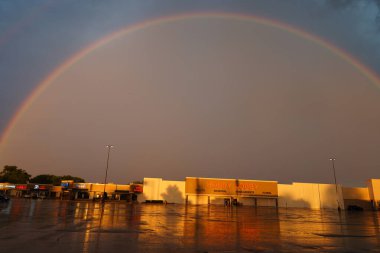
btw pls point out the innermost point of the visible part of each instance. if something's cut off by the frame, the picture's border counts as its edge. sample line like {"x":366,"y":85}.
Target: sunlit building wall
{"x":231,"y":191}
{"x":309,"y":195}
{"x":151,"y":189}
{"x":301,"y":195}
{"x":356,"y":196}
{"x":156,"y":189}
{"x":298,"y":195}
{"x":172,"y":191}
{"x":374,"y":192}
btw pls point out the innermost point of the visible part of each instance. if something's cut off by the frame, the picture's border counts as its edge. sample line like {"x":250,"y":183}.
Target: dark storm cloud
{"x":342,"y":5}
{"x":353,"y":25}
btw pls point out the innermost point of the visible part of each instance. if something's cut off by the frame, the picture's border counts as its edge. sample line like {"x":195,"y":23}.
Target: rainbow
{"x":368,"y":73}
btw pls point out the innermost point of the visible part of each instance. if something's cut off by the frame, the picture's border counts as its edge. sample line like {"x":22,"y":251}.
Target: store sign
{"x":80,"y":186}
{"x":137,"y":188}
{"x":231,"y":187}
{"x":21,"y":187}
{"x":65,"y":184}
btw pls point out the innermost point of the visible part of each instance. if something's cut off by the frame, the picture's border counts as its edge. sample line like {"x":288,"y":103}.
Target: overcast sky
{"x":206,"y":96}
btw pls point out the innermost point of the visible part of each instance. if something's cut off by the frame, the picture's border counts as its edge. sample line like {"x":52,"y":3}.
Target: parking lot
{"x":35,"y":225}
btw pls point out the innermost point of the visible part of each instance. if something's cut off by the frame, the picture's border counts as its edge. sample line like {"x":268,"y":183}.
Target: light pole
{"x":105,"y":178}
{"x":332,"y":159}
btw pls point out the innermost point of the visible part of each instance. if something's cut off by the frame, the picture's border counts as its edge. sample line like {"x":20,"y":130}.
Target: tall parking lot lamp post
{"x":105,"y":178}
{"x":332,"y":159}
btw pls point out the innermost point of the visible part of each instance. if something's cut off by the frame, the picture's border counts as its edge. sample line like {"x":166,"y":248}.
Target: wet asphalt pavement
{"x":65,"y":226}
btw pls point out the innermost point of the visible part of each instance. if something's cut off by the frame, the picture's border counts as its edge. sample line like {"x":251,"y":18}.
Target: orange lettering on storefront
{"x":247,"y":187}
{"x":217,"y":185}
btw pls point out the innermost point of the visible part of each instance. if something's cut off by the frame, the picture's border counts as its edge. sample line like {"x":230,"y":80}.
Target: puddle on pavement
{"x":64,"y":226}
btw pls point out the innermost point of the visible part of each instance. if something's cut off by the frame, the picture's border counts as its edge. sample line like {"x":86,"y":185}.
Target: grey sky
{"x":227,"y":103}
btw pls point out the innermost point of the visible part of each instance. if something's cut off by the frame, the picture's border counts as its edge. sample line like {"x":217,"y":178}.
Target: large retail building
{"x":198,"y":191}
{"x":261,"y":193}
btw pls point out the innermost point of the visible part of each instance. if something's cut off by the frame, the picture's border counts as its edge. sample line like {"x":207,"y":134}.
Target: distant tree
{"x":12,"y":174}
{"x":46,"y":179}
{"x":75,"y":179}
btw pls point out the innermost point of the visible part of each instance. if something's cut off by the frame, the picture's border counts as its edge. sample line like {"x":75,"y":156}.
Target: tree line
{"x":12,"y":174}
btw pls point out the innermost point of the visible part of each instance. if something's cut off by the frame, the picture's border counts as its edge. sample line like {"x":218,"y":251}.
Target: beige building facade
{"x":157,"y":189}
{"x":309,"y":195}
{"x":374,"y":192}
{"x":199,"y":191}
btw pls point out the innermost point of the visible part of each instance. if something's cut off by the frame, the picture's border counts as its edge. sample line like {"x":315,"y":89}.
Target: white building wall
{"x":331,"y":196}
{"x":158,"y":189}
{"x":151,"y":189}
{"x":173,"y":191}
{"x":302,"y":195}
{"x":374,"y":192}
{"x":308,"y":195}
